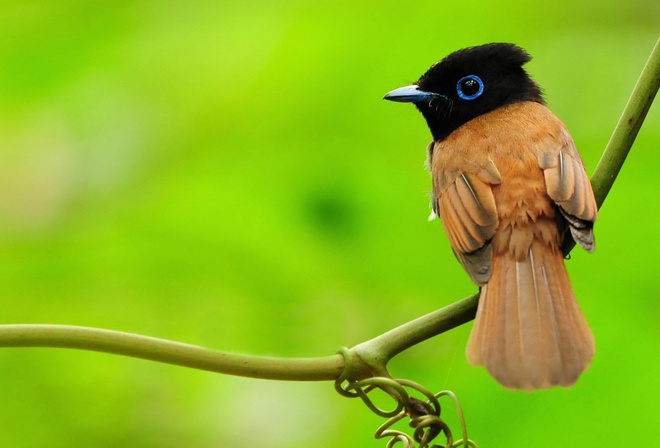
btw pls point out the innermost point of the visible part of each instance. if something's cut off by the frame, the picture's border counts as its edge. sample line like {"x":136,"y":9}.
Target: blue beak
{"x":411,"y":94}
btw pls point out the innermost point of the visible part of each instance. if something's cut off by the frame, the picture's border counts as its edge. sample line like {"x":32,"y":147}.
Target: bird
{"x":508,"y":186}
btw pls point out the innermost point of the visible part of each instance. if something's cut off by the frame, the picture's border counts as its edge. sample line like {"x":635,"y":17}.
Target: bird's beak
{"x":411,"y":94}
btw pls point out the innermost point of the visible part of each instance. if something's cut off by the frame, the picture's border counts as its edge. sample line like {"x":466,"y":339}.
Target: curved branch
{"x":137,"y":346}
{"x":625,"y":132}
{"x":364,"y":356}
{"x":379,"y":350}
{"x":628,"y":126}
{"x":368,"y":357}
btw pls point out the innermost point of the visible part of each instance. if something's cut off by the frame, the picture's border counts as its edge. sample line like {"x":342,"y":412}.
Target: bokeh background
{"x":225,"y":173}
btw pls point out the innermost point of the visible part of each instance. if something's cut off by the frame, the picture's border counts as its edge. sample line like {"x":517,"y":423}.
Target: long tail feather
{"x":529,"y":331}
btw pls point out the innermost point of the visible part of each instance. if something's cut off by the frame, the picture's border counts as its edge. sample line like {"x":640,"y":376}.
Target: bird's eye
{"x":470,"y":87}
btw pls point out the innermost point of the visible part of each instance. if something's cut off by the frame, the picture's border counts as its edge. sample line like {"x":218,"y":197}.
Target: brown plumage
{"x":504,"y":187}
{"x":508,"y":183}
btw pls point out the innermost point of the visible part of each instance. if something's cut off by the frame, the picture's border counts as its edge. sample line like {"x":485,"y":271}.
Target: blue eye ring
{"x":474,"y":95}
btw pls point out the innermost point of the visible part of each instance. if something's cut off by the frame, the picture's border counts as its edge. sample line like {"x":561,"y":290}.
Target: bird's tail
{"x":529,"y":331}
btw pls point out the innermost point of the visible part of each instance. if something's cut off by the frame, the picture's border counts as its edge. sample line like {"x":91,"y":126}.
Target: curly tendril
{"x":424,"y":415}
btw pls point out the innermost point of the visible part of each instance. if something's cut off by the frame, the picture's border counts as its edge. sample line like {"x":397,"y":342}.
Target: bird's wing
{"x":465,"y":203}
{"x":568,"y":185}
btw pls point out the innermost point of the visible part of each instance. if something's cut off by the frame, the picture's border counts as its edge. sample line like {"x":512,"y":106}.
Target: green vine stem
{"x":368,"y":358}
{"x":128,"y":344}
{"x":294,"y":369}
{"x":629,"y":124}
{"x":625,"y":132}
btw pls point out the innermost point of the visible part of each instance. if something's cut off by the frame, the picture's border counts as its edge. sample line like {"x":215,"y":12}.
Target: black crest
{"x":473,"y":81}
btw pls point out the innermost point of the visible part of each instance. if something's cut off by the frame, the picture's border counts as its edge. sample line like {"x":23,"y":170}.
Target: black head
{"x":469,"y":83}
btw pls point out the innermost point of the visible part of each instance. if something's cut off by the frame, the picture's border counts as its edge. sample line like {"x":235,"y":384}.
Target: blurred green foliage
{"x":226,"y":174}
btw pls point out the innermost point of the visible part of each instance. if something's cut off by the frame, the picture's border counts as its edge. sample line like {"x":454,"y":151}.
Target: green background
{"x":226,"y":174}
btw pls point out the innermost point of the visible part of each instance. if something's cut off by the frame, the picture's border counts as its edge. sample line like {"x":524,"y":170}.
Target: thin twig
{"x":625,"y":132}
{"x":153,"y":349}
